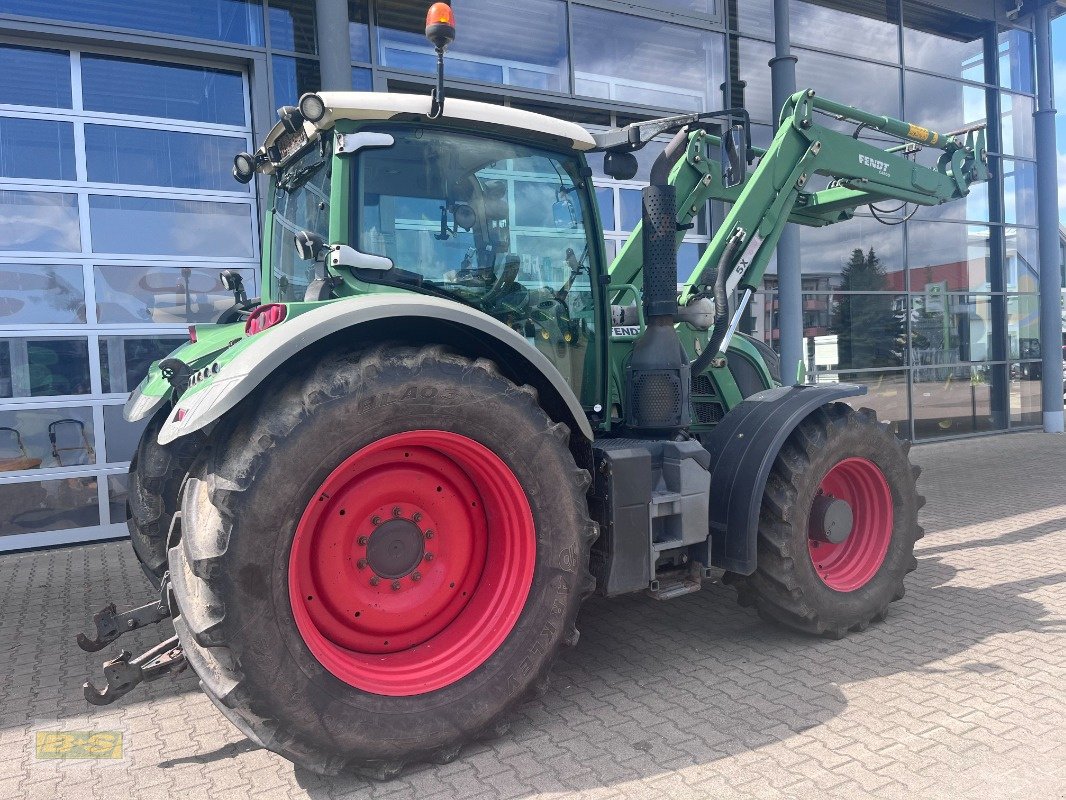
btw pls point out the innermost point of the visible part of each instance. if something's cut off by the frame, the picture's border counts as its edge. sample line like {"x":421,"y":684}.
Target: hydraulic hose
{"x":721,"y":303}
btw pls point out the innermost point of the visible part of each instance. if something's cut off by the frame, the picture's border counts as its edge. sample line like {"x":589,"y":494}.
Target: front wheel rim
{"x":853,"y":563}
{"x":412,"y":563}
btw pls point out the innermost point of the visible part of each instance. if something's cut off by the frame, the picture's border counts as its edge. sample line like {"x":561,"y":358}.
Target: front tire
{"x":838,"y":525}
{"x":305,"y":526}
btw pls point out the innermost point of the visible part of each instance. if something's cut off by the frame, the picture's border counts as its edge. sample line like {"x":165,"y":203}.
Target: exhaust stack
{"x":658,"y":377}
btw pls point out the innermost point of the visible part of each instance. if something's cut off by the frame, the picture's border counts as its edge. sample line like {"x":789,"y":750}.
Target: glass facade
{"x":117,"y":209}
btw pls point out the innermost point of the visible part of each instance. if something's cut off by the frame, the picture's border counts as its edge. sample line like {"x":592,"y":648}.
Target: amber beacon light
{"x":440,"y":25}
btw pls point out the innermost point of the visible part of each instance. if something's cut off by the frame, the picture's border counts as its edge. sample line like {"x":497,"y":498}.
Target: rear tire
{"x":807,"y":583}
{"x":155,"y":477}
{"x":273,"y":554}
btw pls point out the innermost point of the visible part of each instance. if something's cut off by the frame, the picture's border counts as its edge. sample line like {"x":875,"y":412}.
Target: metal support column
{"x":789,"y":284}
{"x":334,"y":50}
{"x":1048,"y":220}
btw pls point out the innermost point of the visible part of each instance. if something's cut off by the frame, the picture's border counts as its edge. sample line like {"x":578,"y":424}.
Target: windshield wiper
{"x":294,"y":180}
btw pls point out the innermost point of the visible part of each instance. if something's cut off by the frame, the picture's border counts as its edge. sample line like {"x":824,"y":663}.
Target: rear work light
{"x":264,"y":317}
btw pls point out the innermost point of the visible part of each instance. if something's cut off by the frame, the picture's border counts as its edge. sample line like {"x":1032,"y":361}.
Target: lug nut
{"x":416,"y":576}
{"x":363,"y":541}
{"x":396,"y":586}
{"x":396,"y":511}
{"x":375,"y":520}
{"x":362,"y":563}
{"x":375,"y":581}
{"x":428,"y":556}
{"x":417,"y":517}
{"x":429,"y":534}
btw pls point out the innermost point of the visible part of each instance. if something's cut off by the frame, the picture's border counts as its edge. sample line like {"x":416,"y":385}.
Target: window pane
{"x":39,"y":222}
{"x":149,"y":157}
{"x":752,"y":16}
{"x":955,"y":257}
{"x":34,"y":506}
{"x":32,"y":438}
{"x":124,"y":360}
{"x":1025,"y":394}
{"x":358,"y":30}
{"x":168,"y":295}
{"x":866,"y":28}
{"x":950,"y":401}
{"x":860,"y":255}
{"x":605,"y":200}
{"x":1019,"y":192}
{"x":31,"y":77}
{"x":645,"y":61}
{"x":118,"y":488}
{"x":854,"y":331}
{"x":121,"y":436}
{"x":688,"y":255}
{"x":497,"y":44}
{"x":1017,"y":124}
{"x":1016,"y":60}
{"x":294,"y":77}
{"x":886,"y":393}
{"x":1023,"y":326}
{"x":292,"y":25}
{"x":630,"y":205}
{"x":40,"y":367}
{"x":871,"y":87}
{"x":362,"y":80}
{"x":941,"y":105}
{"x":943,"y":41}
{"x":36,"y":148}
{"x":158,"y":226}
{"x":238,"y":21}
{"x":152,"y":89}
{"x":1023,"y":258}
{"x":949,"y":328}
{"x":749,"y":63}
{"x":41,"y":293}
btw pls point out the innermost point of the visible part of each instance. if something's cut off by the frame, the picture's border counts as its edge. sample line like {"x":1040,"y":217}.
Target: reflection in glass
{"x":34,"y":506}
{"x":124,"y":360}
{"x":35,"y":438}
{"x":748,"y":62}
{"x":362,"y":80}
{"x":886,"y":393}
{"x":1016,"y":60}
{"x":121,"y":436}
{"x":36,"y":148}
{"x":154,"y":89}
{"x":1019,"y":192}
{"x":941,"y":105}
{"x":871,"y":87}
{"x":871,"y":32}
{"x":1017,"y":124}
{"x":236,"y":21}
{"x":1023,"y":259}
{"x":943,"y":41}
{"x":167,"y":295}
{"x":826,"y":253}
{"x":629,"y":206}
{"x":159,"y":226}
{"x":358,"y":30}
{"x":950,"y":328}
{"x":605,"y":201}
{"x":148,"y":157}
{"x":118,"y":488}
{"x":956,"y":257}
{"x":41,"y":294}
{"x":950,"y":401}
{"x":292,"y":25}
{"x":854,"y":331}
{"x":44,"y":222}
{"x":752,"y":16}
{"x":43,"y":367}
{"x":292,"y":78}
{"x":1025,"y":393}
{"x":33,"y":77}
{"x":1023,"y":326}
{"x":645,"y":61}
{"x":498,"y":44}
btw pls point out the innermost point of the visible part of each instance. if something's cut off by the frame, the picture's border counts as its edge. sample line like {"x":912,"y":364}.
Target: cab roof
{"x":389,"y":105}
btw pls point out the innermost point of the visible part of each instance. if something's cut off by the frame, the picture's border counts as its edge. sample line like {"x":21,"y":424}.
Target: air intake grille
{"x":701,"y":384}
{"x":707,"y":413}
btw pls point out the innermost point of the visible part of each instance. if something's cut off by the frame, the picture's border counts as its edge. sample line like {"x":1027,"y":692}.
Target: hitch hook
{"x":124,"y":672}
{"x":110,"y":624}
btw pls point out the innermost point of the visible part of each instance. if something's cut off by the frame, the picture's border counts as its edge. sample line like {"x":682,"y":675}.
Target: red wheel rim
{"x":852,"y":563}
{"x":412,"y":563}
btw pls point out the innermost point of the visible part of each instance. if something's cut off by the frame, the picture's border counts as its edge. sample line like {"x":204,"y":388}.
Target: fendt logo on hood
{"x":880,"y":166}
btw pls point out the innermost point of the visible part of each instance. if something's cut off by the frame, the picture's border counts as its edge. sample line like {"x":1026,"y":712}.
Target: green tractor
{"x":374,"y":498}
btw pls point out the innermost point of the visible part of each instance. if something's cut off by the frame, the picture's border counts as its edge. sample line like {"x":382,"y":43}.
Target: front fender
{"x":259,"y":356}
{"x":743,"y":448}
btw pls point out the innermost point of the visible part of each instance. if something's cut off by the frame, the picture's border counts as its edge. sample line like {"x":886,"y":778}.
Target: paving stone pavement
{"x":961,"y":693}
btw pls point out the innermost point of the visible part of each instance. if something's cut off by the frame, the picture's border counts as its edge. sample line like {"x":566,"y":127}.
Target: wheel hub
{"x":831,"y":519}
{"x":395,"y":548}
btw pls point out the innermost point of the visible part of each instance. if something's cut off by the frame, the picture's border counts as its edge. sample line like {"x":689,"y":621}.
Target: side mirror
{"x":309,"y":246}
{"x":233,"y":281}
{"x":619,"y":165}
{"x":734,"y":157}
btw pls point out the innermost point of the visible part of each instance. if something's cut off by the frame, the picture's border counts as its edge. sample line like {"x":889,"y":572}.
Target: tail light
{"x":264,"y":317}
{"x":192,"y":334}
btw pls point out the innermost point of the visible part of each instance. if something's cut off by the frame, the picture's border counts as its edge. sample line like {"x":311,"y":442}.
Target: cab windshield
{"x":301,"y":203}
{"x":491,"y":223}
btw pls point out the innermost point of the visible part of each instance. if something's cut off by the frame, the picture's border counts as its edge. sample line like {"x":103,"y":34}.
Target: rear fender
{"x":257,"y":357}
{"x":743,"y":448}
